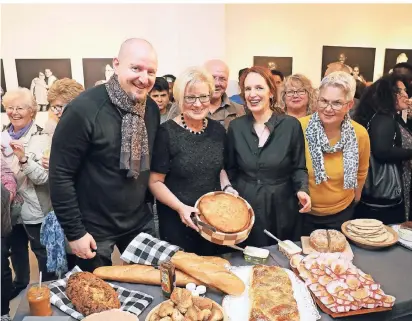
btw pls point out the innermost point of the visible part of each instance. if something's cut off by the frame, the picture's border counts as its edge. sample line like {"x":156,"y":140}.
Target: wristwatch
{"x":23,"y":160}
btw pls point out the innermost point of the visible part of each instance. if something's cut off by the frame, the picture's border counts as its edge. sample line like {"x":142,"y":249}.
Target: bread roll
{"x":318,"y":240}
{"x":141,"y":274}
{"x":337,"y":241}
{"x":208,"y":272}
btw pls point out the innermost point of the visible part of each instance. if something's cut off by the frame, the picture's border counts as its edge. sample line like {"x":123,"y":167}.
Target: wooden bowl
{"x":222,"y":238}
{"x":225,"y":317}
{"x":370,"y":245}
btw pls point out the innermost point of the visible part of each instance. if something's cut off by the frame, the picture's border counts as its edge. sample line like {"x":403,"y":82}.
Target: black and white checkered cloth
{"x":132,"y":301}
{"x":148,"y":250}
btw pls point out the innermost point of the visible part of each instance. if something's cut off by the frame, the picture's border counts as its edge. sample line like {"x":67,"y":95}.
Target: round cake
{"x":225,"y":212}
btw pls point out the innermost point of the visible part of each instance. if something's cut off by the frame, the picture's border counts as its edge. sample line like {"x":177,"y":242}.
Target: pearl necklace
{"x":184,"y":125}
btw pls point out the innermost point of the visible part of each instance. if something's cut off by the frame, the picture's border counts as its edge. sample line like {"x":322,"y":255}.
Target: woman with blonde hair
{"x":188,"y":161}
{"x":265,"y":160}
{"x":298,"y":96}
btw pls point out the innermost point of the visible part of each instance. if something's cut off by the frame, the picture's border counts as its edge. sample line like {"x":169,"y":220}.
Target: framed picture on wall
{"x":396,"y":56}
{"x":97,"y":71}
{"x":3,"y":84}
{"x":358,"y":61}
{"x":39,"y":74}
{"x":283,"y":64}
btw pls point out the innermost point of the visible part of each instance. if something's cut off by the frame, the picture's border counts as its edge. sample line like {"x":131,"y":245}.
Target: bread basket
{"x":226,"y":238}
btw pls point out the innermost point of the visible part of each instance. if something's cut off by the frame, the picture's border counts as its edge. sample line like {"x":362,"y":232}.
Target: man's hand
{"x":82,"y":247}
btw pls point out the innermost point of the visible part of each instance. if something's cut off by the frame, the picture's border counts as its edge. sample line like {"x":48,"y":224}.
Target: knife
{"x":203,"y":224}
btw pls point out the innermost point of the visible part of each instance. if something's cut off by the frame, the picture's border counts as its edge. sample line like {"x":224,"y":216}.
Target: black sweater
{"x":88,"y":190}
{"x":381,"y":132}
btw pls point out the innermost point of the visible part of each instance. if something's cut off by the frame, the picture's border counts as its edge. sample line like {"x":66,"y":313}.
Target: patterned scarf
{"x":20,"y":133}
{"x":318,"y":144}
{"x":134,"y":152}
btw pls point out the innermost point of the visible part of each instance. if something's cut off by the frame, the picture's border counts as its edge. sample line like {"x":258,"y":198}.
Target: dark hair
{"x":404,"y":65}
{"x":265,"y":73}
{"x":241,"y":72}
{"x":275,"y":72}
{"x":380,"y":97}
{"x":360,"y":88}
{"x":169,"y":76}
{"x":161,"y":84}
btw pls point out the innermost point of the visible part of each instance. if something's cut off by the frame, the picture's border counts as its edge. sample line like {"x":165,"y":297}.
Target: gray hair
{"x":22,"y":96}
{"x":189,"y":77}
{"x":342,"y":80}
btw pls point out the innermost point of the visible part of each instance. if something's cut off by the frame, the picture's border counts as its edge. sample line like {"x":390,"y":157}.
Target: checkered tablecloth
{"x":131,"y":301}
{"x":148,"y":250}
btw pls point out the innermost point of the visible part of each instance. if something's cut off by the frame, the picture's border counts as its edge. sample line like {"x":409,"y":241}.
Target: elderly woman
{"x":391,"y":143}
{"x":188,"y":159}
{"x":265,"y":160}
{"x":337,"y":155}
{"x":62,"y":92}
{"x":298,"y":96}
{"x":28,"y":143}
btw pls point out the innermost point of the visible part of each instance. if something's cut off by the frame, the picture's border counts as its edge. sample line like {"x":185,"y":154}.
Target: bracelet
{"x":226,"y":187}
{"x":25,"y":161}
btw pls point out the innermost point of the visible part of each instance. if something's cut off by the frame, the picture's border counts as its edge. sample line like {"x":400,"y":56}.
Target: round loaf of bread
{"x":337,"y":241}
{"x":225,"y":212}
{"x":89,"y":294}
{"x":318,"y":240}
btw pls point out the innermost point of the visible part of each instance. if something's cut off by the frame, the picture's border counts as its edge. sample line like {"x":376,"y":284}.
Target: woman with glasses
{"x":337,"y":155}
{"x":298,"y":96}
{"x":265,"y":160}
{"x":27,"y":145}
{"x":391,"y":142}
{"x":61,"y":93}
{"x":187,"y":162}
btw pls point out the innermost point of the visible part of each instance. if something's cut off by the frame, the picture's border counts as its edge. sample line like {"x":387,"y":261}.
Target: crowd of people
{"x":135,"y":153}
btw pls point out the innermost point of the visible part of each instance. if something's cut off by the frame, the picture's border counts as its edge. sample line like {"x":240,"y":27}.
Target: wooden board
{"x":225,"y":317}
{"x":370,"y":245}
{"x":307,"y":249}
{"x":340,"y":314}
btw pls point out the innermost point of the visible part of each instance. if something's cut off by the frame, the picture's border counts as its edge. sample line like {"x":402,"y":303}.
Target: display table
{"x":391,"y":267}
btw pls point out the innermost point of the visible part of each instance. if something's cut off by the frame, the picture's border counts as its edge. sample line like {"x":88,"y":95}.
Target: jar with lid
{"x":167,"y":277}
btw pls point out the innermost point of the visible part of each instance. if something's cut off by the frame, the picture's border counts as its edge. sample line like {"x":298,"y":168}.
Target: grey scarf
{"x":318,"y":144}
{"x":134,"y":152}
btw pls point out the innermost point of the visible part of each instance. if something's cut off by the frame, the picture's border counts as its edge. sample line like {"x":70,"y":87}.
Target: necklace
{"x":184,"y":125}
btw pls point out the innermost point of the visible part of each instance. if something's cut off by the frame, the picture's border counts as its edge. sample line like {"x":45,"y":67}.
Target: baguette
{"x":209,"y":273}
{"x":141,"y":274}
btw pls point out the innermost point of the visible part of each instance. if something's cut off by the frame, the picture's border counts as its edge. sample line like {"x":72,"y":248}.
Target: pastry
{"x":271,"y":295}
{"x":89,"y":294}
{"x":225,"y":212}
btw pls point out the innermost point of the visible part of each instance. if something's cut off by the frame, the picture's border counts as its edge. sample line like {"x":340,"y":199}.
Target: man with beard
{"x":100,"y":159}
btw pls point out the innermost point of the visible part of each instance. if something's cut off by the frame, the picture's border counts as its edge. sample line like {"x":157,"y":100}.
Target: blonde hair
{"x":342,"y":80}
{"x":23,"y":97}
{"x":189,"y":77}
{"x":307,"y":85}
{"x":65,"y":89}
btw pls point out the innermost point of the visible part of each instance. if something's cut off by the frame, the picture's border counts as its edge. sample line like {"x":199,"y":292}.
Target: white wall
{"x":189,"y":34}
{"x":300,"y":31}
{"x":182,"y":34}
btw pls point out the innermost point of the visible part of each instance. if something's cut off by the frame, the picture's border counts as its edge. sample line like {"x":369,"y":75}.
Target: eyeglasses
{"x":10,"y":109}
{"x":192,"y":99}
{"x":57,"y":108}
{"x":335,"y":105}
{"x":299,"y":92}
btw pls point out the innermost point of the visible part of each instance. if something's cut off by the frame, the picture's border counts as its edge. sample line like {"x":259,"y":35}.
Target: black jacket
{"x":88,"y":190}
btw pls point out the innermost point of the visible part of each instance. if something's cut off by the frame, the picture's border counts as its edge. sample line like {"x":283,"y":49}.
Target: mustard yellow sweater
{"x":329,"y":197}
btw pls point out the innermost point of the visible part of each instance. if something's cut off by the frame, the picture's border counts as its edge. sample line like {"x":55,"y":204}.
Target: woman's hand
{"x":231,"y":190}
{"x":185,"y":213}
{"x":305,"y":201}
{"x":45,"y":162}
{"x":18,"y":149}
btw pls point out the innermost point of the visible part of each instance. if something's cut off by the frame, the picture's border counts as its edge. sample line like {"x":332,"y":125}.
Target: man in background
{"x":50,"y":77}
{"x":160,"y":94}
{"x":236,"y":98}
{"x":171,"y":81}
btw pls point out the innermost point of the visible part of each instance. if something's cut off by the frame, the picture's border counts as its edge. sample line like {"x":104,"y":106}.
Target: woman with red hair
{"x":265,"y":160}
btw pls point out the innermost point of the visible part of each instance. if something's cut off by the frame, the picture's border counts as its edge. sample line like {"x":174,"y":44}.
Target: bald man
{"x":222,"y":109}
{"x":100,"y":159}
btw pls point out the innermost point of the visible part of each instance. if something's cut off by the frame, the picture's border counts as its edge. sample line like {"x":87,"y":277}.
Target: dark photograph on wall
{"x":283,"y":64}
{"x":39,"y":74}
{"x":360,"y":62}
{"x":97,"y":71}
{"x":396,"y":56}
{"x":3,"y":85}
